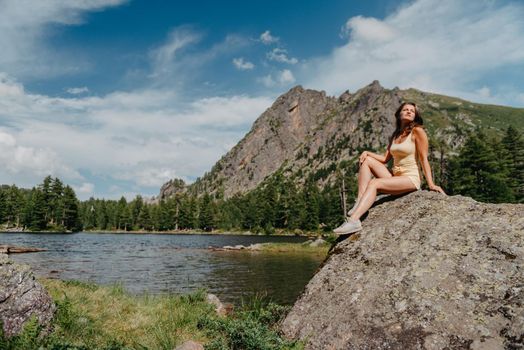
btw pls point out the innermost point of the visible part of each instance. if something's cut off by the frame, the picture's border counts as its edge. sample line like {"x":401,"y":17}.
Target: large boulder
{"x":426,"y":272}
{"x":21,"y":297}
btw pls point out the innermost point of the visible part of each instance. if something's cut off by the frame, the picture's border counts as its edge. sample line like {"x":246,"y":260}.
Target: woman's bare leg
{"x":367,"y":168}
{"x":391,"y":185}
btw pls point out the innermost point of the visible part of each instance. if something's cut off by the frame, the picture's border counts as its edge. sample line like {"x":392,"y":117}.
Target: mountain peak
{"x":311,"y":136}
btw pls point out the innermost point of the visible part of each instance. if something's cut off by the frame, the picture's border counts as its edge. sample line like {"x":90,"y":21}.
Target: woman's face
{"x":407,"y":113}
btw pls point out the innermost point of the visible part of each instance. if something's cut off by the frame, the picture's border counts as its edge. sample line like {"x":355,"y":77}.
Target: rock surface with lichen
{"x":426,"y":272}
{"x":22,"y":297}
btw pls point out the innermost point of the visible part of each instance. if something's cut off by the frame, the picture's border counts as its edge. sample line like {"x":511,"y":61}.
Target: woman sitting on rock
{"x":408,"y":141}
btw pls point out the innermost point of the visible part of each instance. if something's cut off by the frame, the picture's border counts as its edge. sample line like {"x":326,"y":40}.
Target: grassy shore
{"x":295,"y":248}
{"x":98,"y":317}
{"x":275,"y":232}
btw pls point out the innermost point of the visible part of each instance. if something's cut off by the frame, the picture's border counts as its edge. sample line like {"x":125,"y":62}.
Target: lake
{"x":159,"y":263}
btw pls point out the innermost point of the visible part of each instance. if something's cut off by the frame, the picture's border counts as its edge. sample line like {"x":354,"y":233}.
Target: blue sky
{"x":116,"y":97}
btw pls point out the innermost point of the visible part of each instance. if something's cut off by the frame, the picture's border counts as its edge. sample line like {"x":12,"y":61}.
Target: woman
{"x":408,"y":141}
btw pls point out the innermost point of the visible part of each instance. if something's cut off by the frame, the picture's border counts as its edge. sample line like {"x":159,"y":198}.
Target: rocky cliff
{"x":426,"y":272}
{"x":307,"y":133}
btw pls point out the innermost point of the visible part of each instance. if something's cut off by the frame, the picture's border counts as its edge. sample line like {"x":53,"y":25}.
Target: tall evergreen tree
{"x":3,"y":205}
{"x":15,"y":204}
{"x":56,"y":202}
{"x":144,"y":219}
{"x":47,"y":196}
{"x":71,"y":217}
{"x":136,"y":206}
{"x":482,"y":176}
{"x":513,"y":144}
{"x":311,"y":199}
{"x":35,"y":210}
{"x":206,"y":213}
{"x":102,"y":217}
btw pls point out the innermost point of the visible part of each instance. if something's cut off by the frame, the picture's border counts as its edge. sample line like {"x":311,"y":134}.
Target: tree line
{"x":486,"y":169}
{"x":48,"y":206}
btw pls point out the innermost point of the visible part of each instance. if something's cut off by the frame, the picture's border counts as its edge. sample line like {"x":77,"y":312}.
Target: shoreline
{"x":278,"y":233}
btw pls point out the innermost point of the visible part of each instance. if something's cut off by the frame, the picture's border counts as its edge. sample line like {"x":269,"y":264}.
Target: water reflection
{"x":170,"y":263}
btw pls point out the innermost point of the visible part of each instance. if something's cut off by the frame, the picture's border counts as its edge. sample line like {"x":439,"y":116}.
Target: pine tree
{"x":15,"y":204}
{"x":297,"y":210}
{"x":206,"y":213}
{"x":3,"y":205}
{"x":513,"y":144}
{"x":330,"y":207}
{"x":269,"y":199}
{"x":136,"y":206}
{"x":70,"y":204}
{"x":47,"y":196}
{"x":165,"y":212}
{"x":121,"y":215}
{"x":144,"y":218}
{"x":252,"y":217}
{"x":56,"y":203}
{"x":311,"y":199}
{"x":102,"y":217}
{"x":483,"y":177}
{"x":35,"y":210}
{"x":89,"y":214}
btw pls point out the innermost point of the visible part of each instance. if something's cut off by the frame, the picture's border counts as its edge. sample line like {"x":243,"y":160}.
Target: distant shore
{"x":277,"y":232}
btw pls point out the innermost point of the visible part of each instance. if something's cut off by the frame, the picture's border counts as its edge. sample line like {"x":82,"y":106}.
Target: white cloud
{"x":484,"y":92}
{"x":77,"y":90}
{"x":282,"y":78}
{"x":280,"y":55}
{"x":85,"y":188}
{"x":21,"y":163}
{"x":267,"y":38}
{"x":440,"y":46}
{"x":243,"y":65}
{"x":368,"y":29}
{"x":163,"y":56}
{"x":286,"y":77}
{"x":267,"y":80}
{"x":149,"y":175}
{"x":172,"y":65}
{"x":144,"y":136}
{"x":25,"y":28}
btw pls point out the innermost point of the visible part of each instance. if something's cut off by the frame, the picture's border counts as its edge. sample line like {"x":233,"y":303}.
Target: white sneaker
{"x":349,"y":226}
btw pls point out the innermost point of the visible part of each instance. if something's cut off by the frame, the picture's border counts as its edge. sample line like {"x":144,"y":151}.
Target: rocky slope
{"x":426,"y":272}
{"x":306,"y":133}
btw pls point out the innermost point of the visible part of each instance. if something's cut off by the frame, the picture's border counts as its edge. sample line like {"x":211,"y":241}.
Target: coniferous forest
{"x":488,"y":170}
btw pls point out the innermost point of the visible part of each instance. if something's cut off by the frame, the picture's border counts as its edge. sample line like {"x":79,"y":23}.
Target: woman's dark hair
{"x":416,"y":122}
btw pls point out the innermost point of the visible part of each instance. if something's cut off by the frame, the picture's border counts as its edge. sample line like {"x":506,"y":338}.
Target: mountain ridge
{"x":307,"y":134}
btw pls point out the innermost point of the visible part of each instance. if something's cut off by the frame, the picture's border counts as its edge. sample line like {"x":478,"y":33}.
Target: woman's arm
{"x":381,"y":158}
{"x":422,"y":146}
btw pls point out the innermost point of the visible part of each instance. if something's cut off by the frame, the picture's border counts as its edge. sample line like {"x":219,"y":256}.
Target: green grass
{"x":99,"y":317}
{"x":295,"y":248}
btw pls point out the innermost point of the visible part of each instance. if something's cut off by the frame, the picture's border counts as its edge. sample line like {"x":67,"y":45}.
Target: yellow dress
{"x":405,"y":160}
